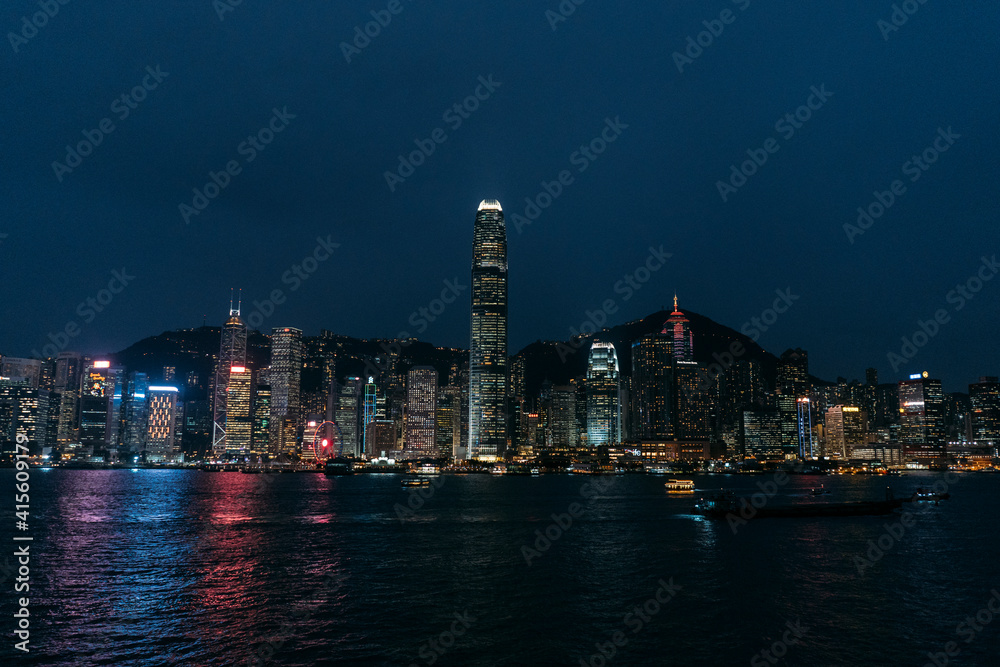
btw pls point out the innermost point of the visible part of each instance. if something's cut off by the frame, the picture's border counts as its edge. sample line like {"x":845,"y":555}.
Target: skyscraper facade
{"x":488,"y":350}
{"x":421,"y":407}
{"x":232,"y":352}
{"x":161,"y":424}
{"x":652,"y":386}
{"x":679,"y":328}
{"x":285,"y":374}
{"x":921,"y":412}
{"x":985,"y":398}
{"x":603,"y":408}
{"x":239,"y":422}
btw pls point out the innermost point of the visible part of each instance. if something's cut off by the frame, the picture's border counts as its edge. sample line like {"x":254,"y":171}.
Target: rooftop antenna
{"x":675,"y":301}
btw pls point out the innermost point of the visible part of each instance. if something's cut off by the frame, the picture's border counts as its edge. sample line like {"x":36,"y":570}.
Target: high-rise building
{"x":985,"y":398}
{"x":652,"y":386}
{"x":692,"y":402}
{"x":421,"y":405}
{"x":603,"y":406}
{"x":679,"y":328}
{"x":448,"y":413}
{"x":69,"y":365}
{"x":369,"y":412}
{"x":232,"y":354}
{"x":921,"y":411}
{"x":562,"y":418}
{"x":285,"y":373}
{"x":161,"y":430}
{"x":239,"y":413}
{"x":805,"y":427}
{"x":100,"y":405}
{"x":261,"y":437}
{"x":136,"y":414}
{"x":24,"y":412}
{"x":347,"y":415}
{"x":793,"y":373}
{"x":760,"y":434}
{"x":488,"y":351}
{"x":846,"y":429}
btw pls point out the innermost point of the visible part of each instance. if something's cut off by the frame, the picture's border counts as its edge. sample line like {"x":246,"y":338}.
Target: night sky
{"x":553,"y":92}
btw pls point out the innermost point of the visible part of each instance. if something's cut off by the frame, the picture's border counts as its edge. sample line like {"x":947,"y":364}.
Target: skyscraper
{"x":985,"y":399}
{"x":921,"y":411}
{"x":368,"y":414}
{"x":421,"y":406}
{"x":232,"y":352}
{"x":846,"y":430}
{"x":161,"y":425}
{"x":285,"y":374}
{"x":488,"y":351}
{"x":603,"y":408}
{"x":239,"y":422}
{"x":679,"y":328}
{"x":652,"y":386}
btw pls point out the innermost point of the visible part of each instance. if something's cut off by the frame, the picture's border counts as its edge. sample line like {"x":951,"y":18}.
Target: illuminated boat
{"x":680,"y":485}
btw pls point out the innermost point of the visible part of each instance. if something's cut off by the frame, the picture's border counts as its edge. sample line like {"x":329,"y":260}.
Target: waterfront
{"x":190,"y":568}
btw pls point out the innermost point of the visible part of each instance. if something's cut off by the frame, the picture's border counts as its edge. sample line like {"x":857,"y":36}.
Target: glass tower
{"x":603,"y":408}
{"x":488,"y":351}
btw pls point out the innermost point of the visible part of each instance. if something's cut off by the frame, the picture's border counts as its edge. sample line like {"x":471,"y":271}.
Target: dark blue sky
{"x":323,"y":175}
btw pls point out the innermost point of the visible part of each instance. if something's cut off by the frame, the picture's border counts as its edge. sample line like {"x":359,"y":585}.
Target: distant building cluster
{"x":279,"y":397}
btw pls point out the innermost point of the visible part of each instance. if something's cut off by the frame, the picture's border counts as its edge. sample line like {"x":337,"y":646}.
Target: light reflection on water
{"x":184,"y":567}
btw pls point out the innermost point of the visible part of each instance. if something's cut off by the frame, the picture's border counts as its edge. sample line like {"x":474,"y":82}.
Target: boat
{"x":928,"y":495}
{"x":724,"y":504}
{"x":821,"y":491}
{"x":412,"y":480}
{"x":338,"y":466}
{"x":679,"y":485}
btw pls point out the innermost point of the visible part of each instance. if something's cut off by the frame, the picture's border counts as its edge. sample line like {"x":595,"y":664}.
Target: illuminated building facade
{"x":985,"y":399}
{"x":285,"y":374}
{"x":921,"y":413}
{"x":239,"y":415}
{"x":232,"y":353}
{"x":603,"y":407}
{"x":846,"y":430}
{"x":760,"y":434}
{"x":161,"y":428}
{"x":488,"y":350}
{"x":679,"y":329}
{"x":420,"y":436}
{"x":369,"y":410}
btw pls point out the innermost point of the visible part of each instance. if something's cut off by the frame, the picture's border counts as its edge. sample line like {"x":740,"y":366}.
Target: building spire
{"x":675,"y":302}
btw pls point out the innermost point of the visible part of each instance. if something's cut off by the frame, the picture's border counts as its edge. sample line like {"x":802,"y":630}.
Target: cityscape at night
{"x":390,"y":334}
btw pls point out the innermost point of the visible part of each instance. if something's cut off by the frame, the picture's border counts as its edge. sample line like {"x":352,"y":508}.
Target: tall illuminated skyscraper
{"x":368,"y":414}
{"x":488,"y":351}
{"x":285,"y":374}
{"x":232,"y":352}
{"x":239,"y":425}
{"x":679,"y":328}
{"x":603,"y":406}
{"x":921,"y":411}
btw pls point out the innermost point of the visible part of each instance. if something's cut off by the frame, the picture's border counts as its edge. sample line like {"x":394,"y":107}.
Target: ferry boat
{"x":414,"y":480}
{"x":680,"y":485}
